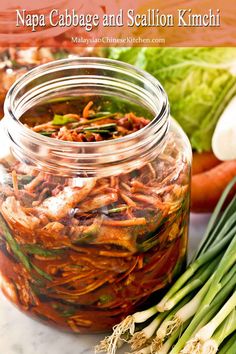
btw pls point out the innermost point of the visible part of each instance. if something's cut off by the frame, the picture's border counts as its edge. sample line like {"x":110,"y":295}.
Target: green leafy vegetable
{"x":117,"y":210}
{"x":14,"y":245}
{"x":36,"y":249}
{"x":64,"y":310}
{"x":16,"y":249}
{"x":99,"y":131}
{"x":62,"y":120}
{"x":47,"y":133}
{"x":104,"y":299}
{"x":41,"y":272}
{"x":199,"y":83}
{"x":87,"y":234}
{"x":106,"y":127}
{"x":60,"y":54}
{"x":99,"y":114}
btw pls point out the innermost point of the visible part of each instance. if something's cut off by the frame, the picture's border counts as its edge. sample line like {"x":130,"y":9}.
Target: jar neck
{"x":80,"y":77}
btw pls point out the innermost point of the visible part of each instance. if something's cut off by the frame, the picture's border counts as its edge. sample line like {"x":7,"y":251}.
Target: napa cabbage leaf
{"x":199,"y":82}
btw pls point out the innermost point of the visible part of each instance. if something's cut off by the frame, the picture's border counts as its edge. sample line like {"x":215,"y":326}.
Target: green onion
{"x":108,"y":127}
{"x":62,"y":120}
{"x":227,"y":327}
{"x":207,"y":238}
{"x":16,"y":249}
{"x":199,"y":279}
{"x":203,"y":316}
{"x":228,"y":346}
{"x":64,"y":310}
{"x":100,"y":114}
{"x":47,"y":133}
{"x":186,"y":312}
{"x":166,"y":329}
{"x":140,"y":338}
{"x":89,"y":121}
{"x":205,"y":333}
{"x":225,"y":265}
{"x":63,"y":99}
{"x":61,"y":54}
{"x":14,"y":245}
{"x":117,"y":210}
{"x":104,"y":299}
{"x":191,"y":330}
{"x":41,"y":272}
{"x":202,"y":260}
{"x":38,"y":250}
{"x":166,"y":347}
{"x":87,"y":234}
{"x":99,"y":131}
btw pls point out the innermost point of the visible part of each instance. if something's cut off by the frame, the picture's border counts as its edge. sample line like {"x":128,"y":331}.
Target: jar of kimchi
{"x":94,"y":193}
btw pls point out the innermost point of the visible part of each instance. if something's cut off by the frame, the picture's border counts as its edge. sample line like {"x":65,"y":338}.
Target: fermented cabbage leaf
{"x":199,"y":82}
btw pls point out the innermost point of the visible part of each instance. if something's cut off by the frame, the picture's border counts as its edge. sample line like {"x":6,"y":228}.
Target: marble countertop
{"x":21,"y":335}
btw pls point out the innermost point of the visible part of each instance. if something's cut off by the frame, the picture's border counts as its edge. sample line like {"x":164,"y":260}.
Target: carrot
{"x":208,"y":186}
{"x":15,"y":183}
{"x":203,"y":161}
{"x":131,"y":222}
{"x":86,"y":109}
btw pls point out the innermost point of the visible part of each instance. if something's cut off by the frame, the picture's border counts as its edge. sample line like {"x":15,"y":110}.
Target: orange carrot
{"x":131,"y":222}
{"x":208,"y":186}
{"x":203,"y":161}
{"x":15,"y":183}
{"x":86,"y":109}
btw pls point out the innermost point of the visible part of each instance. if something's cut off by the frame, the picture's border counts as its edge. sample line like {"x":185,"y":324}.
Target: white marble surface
{"x":22,"y":335}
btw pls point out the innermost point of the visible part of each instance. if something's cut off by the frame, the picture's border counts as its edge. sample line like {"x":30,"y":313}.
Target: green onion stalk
{"x":126,"y":327}
{"x":183,"y":315}
{"x":229,"y":345}
{"x":209,"y":255}
{"x":227,"y":327}
{"x":214,"y":225}
{"x":204,"y":340}
{"x":166,"y":328}
{"x":140,"y":338}
{"x":167,"y":345}
{"x":203,"y":316}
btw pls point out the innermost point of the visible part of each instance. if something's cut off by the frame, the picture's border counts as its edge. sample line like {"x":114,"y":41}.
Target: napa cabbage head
{"x":199,"y":82}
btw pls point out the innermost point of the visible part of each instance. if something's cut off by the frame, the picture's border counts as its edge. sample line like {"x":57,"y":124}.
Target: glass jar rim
{"x":157,"y":127}
{"x":31,"y":74}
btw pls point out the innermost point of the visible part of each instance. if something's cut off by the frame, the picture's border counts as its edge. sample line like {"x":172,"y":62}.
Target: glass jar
{"x":90,"y":230}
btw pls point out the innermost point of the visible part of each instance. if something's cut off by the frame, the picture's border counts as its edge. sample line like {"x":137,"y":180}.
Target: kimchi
{"x":82,"y":253}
